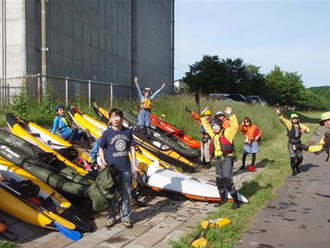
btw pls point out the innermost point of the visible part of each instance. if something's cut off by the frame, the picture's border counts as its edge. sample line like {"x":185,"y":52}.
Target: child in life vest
{"x":252,"y":135}
{"x":62,"y":126}
{"x":146,"y":97}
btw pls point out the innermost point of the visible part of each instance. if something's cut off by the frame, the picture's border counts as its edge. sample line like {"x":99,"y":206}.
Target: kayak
{"x":174,"y":143}
{"x":159,"y":178}
{"x":165,"y":153}
{"x":36,"y":203}
{"x":64,"y":147}
{"x":153,"y":135}
{"x":178,"y":133}
{"x":17,"y":127}
{"x":42,"y":165}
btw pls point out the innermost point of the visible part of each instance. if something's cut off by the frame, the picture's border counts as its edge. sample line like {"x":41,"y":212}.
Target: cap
{"x":293,"y":116}
{"x":59,"y":106}
{"x":324,"y":117}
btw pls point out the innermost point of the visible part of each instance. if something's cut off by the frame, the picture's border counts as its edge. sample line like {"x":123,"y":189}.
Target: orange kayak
{"x":178,"y":133}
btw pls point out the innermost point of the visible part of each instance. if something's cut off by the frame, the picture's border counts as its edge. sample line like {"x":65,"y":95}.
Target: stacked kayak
{"x":156,"y":121}
{"x":162,"y":151}
{"x":42,"y":165}
{"x":25,"y":197}
{"x":19,"y":128}
{"x":159,"y":135}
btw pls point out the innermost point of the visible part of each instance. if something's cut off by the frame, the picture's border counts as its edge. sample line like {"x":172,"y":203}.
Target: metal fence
{"x":36,"y":86}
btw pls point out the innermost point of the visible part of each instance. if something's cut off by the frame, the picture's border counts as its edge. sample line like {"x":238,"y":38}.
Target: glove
{"x":301,"y":147}
{"x":188,"y":110}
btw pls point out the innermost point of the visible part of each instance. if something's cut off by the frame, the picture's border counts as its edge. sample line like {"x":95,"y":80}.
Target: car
{"x":236,"y":97}
{"x":256,"y":99}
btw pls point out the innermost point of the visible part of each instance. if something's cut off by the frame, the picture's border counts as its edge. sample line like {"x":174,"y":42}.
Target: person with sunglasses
{"x":146,"y":97}
{"x":116,"y":148}
{"x":252,"y":134}
{"x":295,"y":130}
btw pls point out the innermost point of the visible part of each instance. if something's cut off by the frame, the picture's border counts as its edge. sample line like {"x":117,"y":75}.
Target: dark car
{"x":236,"y":97}
{"x":256,"y":99}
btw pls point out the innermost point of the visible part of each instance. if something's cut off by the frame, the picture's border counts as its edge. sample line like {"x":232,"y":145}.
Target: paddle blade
{"x":71,"y":234}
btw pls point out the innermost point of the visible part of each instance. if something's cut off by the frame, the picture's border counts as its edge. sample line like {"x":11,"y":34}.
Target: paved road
{"x":300,"y":216}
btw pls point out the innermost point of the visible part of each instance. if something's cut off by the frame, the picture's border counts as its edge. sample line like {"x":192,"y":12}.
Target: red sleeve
{"x":196,"y":116}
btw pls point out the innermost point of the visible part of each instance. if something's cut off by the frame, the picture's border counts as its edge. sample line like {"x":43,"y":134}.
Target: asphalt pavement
{"x":300,"y":214}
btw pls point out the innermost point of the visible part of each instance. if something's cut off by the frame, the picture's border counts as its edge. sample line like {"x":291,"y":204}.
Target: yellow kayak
{"x":54,"y":141}
{"x":18,"y":129}
{"x":171,"y":156}
{"x":58,"y":208}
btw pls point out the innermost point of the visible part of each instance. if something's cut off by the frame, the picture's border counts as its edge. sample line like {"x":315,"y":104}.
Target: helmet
{"x":324,"y":117}
{"x":146,"y":89}
{"x":207,"y":112}
{"x":60,"y":106}
{"x":293,"y":116}
{"x":219,"y":113}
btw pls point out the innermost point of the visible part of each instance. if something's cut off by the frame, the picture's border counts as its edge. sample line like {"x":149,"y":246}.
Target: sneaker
{"x":128,"y":224}
{"x":109,"y":223}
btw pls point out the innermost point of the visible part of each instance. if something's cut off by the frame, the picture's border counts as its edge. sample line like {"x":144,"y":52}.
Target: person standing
{"x":224,"y":156}
{"x":146,"y":97}
{"x":252,"y":135}
{"x":295,"y":130}
{"x":116,"y":145}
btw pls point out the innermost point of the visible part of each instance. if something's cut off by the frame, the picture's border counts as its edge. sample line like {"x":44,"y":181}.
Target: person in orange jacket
{"x":252,"y":135}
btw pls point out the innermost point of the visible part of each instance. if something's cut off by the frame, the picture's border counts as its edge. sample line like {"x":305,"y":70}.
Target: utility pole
{"x":44,"y":48}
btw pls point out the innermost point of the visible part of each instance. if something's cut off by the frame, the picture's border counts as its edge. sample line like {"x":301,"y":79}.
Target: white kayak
{"x":160,"y":179}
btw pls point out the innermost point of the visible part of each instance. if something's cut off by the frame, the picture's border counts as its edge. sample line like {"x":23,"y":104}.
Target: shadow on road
{"x":251,"y":188}
{"x":261,"y":164}
{"x":307,"y":167}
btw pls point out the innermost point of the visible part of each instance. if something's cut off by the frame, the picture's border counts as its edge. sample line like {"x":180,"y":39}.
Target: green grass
{"x":5,"y":244}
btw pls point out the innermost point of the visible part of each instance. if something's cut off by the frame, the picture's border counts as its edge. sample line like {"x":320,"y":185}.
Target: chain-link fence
{"x":69,"y":88}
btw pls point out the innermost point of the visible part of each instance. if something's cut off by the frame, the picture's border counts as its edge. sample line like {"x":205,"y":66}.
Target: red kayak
{"x":156,"y":121}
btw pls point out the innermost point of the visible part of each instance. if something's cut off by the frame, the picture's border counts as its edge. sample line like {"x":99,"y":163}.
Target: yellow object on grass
{"x":199,"y":243}
{"x":218,"y":222}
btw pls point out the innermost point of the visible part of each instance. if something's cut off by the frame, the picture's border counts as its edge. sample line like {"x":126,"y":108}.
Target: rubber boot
{"x":223,"y":199}
{"x":237,"y":203}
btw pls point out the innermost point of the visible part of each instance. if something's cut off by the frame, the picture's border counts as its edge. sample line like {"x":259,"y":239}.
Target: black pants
{"x":224,"y":176}
{"x":296,"y":157}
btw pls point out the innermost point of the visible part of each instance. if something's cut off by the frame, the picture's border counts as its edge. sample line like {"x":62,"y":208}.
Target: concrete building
{"x":102,"y":40}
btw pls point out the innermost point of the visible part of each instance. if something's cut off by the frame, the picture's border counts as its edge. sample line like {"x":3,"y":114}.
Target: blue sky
{"x":292,"y":34}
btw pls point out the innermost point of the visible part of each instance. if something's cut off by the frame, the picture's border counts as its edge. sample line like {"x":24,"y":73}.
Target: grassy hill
{"x":323,"y":91}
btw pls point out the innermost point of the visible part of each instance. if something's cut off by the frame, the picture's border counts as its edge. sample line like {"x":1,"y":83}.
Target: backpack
{"x":102,"y":190}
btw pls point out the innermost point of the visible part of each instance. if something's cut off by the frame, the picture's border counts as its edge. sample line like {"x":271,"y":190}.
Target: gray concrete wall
{"x":102,"y":40}
{"x":152,"y":43}
{"x":14,"y":35}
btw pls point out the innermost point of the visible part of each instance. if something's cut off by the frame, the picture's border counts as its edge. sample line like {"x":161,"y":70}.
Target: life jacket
{"x":65,"y":122}
{"x":225,"y":145}
{"x":146,"y":104}
{"x":292,"y":134}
